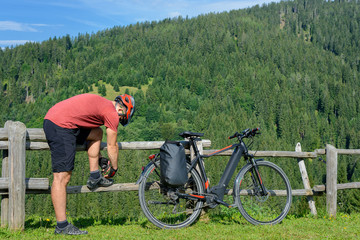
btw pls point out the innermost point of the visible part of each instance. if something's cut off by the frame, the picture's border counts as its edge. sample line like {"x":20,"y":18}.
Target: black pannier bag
{"x":173,"y":169}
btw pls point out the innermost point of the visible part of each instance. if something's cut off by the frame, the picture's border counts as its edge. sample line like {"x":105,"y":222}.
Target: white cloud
{"x":13,"y":42}
{"x":21,"y":27}
{"x":39,"y":25}
{"x":15,"y":26}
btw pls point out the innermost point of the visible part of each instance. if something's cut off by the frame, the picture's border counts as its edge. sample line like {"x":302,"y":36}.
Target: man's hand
{"x":111,"y":173}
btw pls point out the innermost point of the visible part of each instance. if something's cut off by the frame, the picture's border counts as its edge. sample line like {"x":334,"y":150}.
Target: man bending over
{"x":77,"y":120}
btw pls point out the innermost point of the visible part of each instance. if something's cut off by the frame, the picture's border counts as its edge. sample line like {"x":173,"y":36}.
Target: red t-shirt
{"x":84,"y":111}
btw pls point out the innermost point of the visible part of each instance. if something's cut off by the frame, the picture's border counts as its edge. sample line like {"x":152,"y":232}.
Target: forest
{"x":291,"y":68}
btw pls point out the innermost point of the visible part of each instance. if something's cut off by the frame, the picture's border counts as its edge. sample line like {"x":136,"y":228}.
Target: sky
{"x":22,"y":21}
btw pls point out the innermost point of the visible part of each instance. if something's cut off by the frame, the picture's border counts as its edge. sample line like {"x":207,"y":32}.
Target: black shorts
{"x":62,"y":142}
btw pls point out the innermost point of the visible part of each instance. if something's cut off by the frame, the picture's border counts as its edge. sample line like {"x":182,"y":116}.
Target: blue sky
{"x":38,"y":20}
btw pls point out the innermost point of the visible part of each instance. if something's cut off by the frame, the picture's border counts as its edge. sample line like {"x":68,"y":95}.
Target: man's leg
{"x":94,"y":142}
{"x":95,"y":179}
{"x":58,"y":194}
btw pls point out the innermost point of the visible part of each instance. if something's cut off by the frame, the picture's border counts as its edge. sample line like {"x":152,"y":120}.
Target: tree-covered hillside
{"x":291,"y":68}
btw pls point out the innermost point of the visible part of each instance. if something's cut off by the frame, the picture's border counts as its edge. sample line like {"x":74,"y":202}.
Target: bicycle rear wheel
{"x":162,"y":206}
{"x":256,"y":207}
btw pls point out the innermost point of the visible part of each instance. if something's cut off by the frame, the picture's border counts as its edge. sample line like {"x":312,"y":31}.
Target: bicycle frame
{"x":240,"y":150}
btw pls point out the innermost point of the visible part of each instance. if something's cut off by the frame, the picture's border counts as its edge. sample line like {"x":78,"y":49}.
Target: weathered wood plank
{"x":320,"y":151}
{"x":118,"y":187}
{"x":348,"y":151}
{"x":352,"y":185}
{"x":35,"y":134}
{"x":30,"y":183}
{"x":17,"y":139}
{"x":340,"y":186}
{"x":113,"y":188}
{"x":306,"y":182}
{"x":4,"y":145}
{"x":133,"y":187}
{"x":288,"y":154}
{"x":294,"y":192}
{"x":32,"y":134}
{"x":139,"y":145}
{"x":5,"y":198}
{"x":331,"y":179}
{"x":318,"y":190}
{"x":3,"y":134}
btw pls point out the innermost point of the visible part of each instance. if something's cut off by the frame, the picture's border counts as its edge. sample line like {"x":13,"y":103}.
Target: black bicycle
{"x":261,"y":191}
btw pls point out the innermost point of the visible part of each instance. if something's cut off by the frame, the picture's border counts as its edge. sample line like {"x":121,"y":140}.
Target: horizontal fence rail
{"x":285,"y":154}
{"x":15,"y":139}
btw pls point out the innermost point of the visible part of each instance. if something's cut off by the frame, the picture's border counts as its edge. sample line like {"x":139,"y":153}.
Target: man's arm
{"x":112,"y":147}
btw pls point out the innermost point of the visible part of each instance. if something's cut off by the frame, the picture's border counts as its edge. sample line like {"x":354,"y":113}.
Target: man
{"x":77,"y":120}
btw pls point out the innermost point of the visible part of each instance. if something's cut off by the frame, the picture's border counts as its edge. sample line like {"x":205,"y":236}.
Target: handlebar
{"x":246,"y":133}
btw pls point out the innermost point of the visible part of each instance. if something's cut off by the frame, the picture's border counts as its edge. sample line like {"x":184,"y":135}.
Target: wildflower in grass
{"x":48,"y":220}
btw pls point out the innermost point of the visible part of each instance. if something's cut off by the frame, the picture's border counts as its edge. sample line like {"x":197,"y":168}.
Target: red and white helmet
{"x":129,"y":103}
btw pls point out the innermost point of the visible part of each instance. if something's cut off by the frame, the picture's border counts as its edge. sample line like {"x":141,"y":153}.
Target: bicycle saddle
{"x":190,"y":134}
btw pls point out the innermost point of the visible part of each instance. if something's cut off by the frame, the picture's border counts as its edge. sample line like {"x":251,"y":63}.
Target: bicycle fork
{"x":256,"y":178}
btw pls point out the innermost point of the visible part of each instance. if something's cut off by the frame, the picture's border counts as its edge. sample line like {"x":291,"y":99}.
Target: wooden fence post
{"x":306,"y":181}
{"x":17,"y":149}
{"x":5,"y":174}
{"x":331,"y":180}
{"x":5,"y":198}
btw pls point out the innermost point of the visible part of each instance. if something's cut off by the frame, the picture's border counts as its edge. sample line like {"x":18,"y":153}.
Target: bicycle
{"x":261,"y":192}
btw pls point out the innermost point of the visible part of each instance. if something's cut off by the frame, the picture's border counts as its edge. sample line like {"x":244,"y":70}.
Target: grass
{"x":111,"y":94}
{"x":212,"y":227}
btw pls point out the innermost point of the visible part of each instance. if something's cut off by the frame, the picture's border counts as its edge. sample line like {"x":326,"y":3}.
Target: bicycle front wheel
{"x":162,"y":206}
{"x":257,"y":206}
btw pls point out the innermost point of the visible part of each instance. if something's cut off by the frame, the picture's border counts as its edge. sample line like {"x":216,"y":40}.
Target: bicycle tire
{"x":159,"y":208}
{"x":261,"y":210}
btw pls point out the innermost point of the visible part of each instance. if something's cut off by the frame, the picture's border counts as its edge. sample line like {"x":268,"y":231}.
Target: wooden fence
{"x":15,"y":139}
